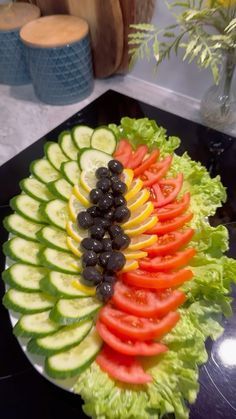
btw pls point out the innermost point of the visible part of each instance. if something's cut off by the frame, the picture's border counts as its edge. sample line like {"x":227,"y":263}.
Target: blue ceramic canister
{"x":59,"y":58}
{"x":13,"y":64}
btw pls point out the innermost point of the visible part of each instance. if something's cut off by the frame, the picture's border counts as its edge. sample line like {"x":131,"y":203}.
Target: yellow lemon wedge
{"x":134,"y":254}
{"x":81,"y":195}
{"x":140,"y":215}
{"x":142,"y":227}
{"x":73,"y":246}
{"x":127,"y":177}
{"x":141,"y":241}
{"x":135,"y":187}
{"x":138,"y":200}
{"x":75,"y":207}
{"x":88,"y":180}
{"x":130,"y":265}
{"x":74,"y":232}
{"x":83,"y":288}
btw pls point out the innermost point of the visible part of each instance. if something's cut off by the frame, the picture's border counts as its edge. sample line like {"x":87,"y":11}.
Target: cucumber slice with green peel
{"x":23,"y":250}
{"x":55,"y":154}
{"x":28,"y":208}
{"x":24,"y":277}
{"x":35,"y":325}
{"x":93,"y":159}
{"x":60,"y":261}
{"x":71,"y":172}
{"x":53,"y":237}
{"x":18,"y":225}
{"x":36,"y":189}
{"x":27,"y":302}
{"x":67,"y":145}
{"x":60,"y":285}
{"x":74,"y":361}
{"x":69,"y":311}
{"x":82,"y":136}
{"x":65,"y":338}
{"x":56,"y":212}
{"x":60,"y":189}
{"x":44,"y":171}
{"x":103,"y":139}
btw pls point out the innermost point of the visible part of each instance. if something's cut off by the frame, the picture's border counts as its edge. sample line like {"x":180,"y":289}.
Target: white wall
{"x":173,"y":74}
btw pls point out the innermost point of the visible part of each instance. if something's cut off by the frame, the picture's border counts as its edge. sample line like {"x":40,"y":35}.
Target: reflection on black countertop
{"x":23,"y":392}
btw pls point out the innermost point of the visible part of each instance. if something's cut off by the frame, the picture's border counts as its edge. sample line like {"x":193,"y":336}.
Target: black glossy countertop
{"x":24,"y":393}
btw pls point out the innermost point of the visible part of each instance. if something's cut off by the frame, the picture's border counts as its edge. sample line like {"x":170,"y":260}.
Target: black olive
{"x":102,"y":222}
{"x":116,"y":262}
{"x":115,"y":166}
{"x":104,"y":291}
{"x":120,"y":242}
{"x":106,"y":245}
{"x":114,"y":230}
{"x":114,"y":179}
{"x":91,"y":244}
{"x":102,"y":172}
{"x":119,"y":200}
{"x":119,"y":187}
{"x":109,"y":277}
{"x":104,"y":258}
{"x":104,"y":184}
{"x":97,"y":231}
{"x":121,"y":214}
{"x":84,"y":219}
{"x":95,"y":195}
{"x":91,"y":276}
{"x":89,"y":258}
{"x":94,"y":211}
{"x":108,"y":215}
{"x":105,"y":202}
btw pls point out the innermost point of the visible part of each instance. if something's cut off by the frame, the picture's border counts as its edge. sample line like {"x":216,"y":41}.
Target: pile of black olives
{"x":102,"y":257}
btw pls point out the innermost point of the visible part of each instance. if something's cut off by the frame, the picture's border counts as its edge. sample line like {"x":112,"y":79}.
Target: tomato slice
{"x":168,"y":262}
{"x":174,"y":209}
{"x":156,"y":172}
{"x":137,"y":157}
{"x":166,"y":190}
{"x":123,"y":152}
{"x":128,"y":347}
{"x":170,"y":242}
{"x":138,"y":328}
{"x":157,"y":280}
{"x":144,"y":302}
{"x":168,"y":226}
{"x":147,"y":163}
{"x":122,"y":367}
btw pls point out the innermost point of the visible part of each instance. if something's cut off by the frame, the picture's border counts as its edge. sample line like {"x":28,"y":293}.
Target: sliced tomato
{"x":170,"y":242}
{"x":156,"y":172}
{"x":128,"y":347}
{"x":137,"y":157}
{"x":123,"y":152}
{"x":168,"y":226}
{"x":174,"y":209}
{"x":157,"y":280}
{"x":147,"y":163}
{"x":144,"y":302}
{"x":166,"y":190}
{"x":168,"y":262}
{"x":138,"y":328}
{"x":122,"y":367}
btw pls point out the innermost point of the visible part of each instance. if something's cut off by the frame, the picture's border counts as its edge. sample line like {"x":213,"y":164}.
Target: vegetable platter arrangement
{"x":115,"y":277}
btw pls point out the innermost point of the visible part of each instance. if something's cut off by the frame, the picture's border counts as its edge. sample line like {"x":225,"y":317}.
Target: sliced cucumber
{"x":60,"y":284}
{"x":27,"y":302}
{"x":53,"y":237}
{"x":74,"y":361}
{"x":67,"y":145}
{"x":27,"y":207}
{"x":18,"y":225}
{"x":93,"y":159}
{"x":82,"y":136}
{"x":71,"y":172}
{"x":23,"y":250}
{"x":44,"y":171}
{"x":36,"y":189}
{"x":56,"y":212}
{"x":60,"y":261}
{"x":65,"y":338}
{"x":24,"y":277}
{"x":103,"y":139}
{"x":54,"y":154}
{"x":35,"y":325}
{"x":69,"y":311}
{"x":61,"y":189}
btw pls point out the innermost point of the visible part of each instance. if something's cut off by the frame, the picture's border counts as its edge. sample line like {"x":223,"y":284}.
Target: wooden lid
{"x":54,"y":31}
{"x":16,"y":15}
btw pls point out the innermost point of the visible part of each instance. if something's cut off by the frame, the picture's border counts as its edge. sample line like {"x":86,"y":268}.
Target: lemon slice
{"x":88,"y":180}
{"x":73,"y":246}
{"x":127,"y":177}
{"x":140,"y":215}
{"x":134,"y":254}
{"x":75,"y":207}
{"x":82,"y":195}
{"x":130,"y":265}
{"x":135,"y":187}
{"x":76,"y":233}
{"x":144,"y":226}
{"x":83,"y":288}
{"x":139,"y":199}
{"x":141,"y":241}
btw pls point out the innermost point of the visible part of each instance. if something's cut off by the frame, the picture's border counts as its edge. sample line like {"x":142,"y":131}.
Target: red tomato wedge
{"x":170,"y":242}
{"x":128,"y":347}
{"x":123,"y":152}
{"x":138,"y":328}
{"x":122,"y":367}
{"x":174,"y":209}
{"x":168,"y":226}
{"x":166,"y":190}
{"x":168,"y":262}
{"x":157,"y":280}
{"x":144,"y":302}
{"x":147,"y":163}
{"x":137,"y":157}
{"x":156,"y":172}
